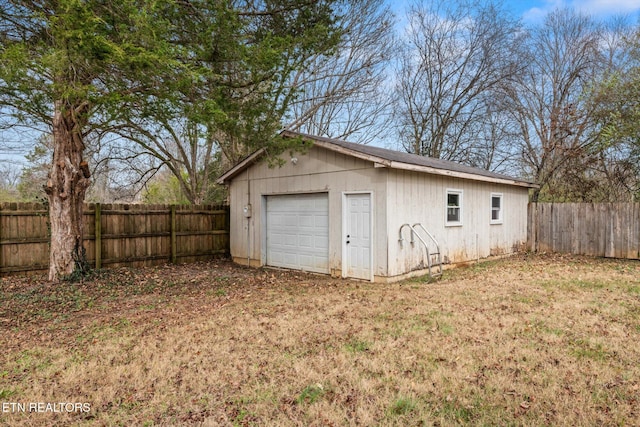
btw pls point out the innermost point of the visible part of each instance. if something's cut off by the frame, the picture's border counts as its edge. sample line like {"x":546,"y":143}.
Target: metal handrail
{"x":426,"y":246}
{"x":417,"y":224}
{"x":401,"y":239}
{"x":429,"y":262}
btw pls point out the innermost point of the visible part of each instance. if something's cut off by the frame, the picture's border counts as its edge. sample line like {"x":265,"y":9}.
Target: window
{"x":454,"y":207}
{"x":496,"y":208}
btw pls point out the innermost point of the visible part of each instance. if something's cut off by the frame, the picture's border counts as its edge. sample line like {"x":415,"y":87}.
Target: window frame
{"x":500,"y":219}
{"x":459,"y":193}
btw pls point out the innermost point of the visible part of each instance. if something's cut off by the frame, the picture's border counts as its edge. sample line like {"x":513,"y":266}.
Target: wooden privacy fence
{"x":599,"y":229}
{"x":117,"y":235}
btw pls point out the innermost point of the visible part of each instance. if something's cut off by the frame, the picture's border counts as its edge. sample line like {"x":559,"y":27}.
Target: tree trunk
{"x":66,"y":188}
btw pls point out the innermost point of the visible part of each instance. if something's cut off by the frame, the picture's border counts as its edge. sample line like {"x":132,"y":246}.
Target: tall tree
{"x":175,"y":77}
{"x":617,"y":106}
{"x":66,"y":64}
{"x":456,"y":55}
{"x":9,"y":182}
{"x":244,"y":53}
{"x":345,"y":94}
{"x":33,"y":176}
{"x":547,"y":99}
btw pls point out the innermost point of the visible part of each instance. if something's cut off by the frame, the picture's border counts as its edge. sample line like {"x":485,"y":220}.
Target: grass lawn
{"x":529,"y":340}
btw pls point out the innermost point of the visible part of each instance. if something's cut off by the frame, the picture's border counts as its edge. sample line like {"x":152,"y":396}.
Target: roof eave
{"x":462,"y":175}
{"x":382,"y":162}
{"x":377,"y":161}
{"x":231,"y":173}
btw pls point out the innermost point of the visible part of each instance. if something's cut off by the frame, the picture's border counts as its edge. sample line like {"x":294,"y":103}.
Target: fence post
{"x":98,"y":235}
{"x":174,"y":249}
{"x":227,"y":228}
{"x":532,"y":229}
{"x":1,"y":260}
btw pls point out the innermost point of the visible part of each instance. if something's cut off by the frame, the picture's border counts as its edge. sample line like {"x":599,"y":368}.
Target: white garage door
{"x":298,"y":232}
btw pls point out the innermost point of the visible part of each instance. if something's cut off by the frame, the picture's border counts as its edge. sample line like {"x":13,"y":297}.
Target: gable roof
{"x":382,"y":157}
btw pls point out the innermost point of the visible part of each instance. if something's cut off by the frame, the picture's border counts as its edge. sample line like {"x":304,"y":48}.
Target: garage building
{"x":365,"y":212}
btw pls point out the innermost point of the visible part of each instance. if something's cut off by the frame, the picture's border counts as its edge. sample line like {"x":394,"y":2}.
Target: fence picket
{"x":98,"y":236}
{"x":598,"y":229}
{"x":116,"y":235}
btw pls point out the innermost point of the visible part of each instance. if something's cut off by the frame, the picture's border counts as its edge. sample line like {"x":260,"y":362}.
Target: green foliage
{"x":357,"y":346}
{"x":617,"y":111}
{"x":34,"y":176}
{"x":7,"y":196}
{"x":251,"y":71}
{"x":619,"y":101}
{"x":585,"y":349}
{"x":311,"y":394}
{"x":82,"y":268}
{"x":6,"y":393}
{"x":165,"y":189}
{"x":179,"y":80}
{"x":80,"y":53}
{"x":281,"y":144}
{"x":402,"y":406}
{"x":230,"y":99}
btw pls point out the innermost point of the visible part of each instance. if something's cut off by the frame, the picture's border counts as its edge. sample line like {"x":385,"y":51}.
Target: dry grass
{"x":542,"y":340}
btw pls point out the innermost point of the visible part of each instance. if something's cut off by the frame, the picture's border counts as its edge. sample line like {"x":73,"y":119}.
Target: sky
{"x":531,"y":12}
{"x":535,"y":10}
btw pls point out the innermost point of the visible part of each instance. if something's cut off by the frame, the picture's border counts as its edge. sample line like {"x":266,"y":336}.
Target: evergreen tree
{"x":84,"y":66}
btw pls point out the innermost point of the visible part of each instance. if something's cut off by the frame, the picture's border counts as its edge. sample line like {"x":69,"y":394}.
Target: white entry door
{"x":298,"y":232}
{"x":358,"y":255}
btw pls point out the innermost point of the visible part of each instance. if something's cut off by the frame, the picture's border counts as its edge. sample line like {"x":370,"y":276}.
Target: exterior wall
{"x":319,"y":170}
{"x":421,"y":198}
{"x":398,"y":197}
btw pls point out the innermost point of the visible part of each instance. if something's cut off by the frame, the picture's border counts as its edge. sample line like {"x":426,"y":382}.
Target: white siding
{"x":319,"y":170}
{"x":399,"y":197}
{"x":421,"y":198}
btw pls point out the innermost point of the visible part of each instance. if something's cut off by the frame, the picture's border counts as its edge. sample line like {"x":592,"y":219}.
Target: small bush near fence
{"x":116,"y":235}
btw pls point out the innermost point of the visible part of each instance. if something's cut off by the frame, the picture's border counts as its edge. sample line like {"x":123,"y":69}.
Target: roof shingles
{"x":389,"y":158}
{"x":407,"y":158}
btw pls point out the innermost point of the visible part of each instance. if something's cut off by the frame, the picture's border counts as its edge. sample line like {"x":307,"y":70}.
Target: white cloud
{"x":596,"y":8}
{"x":536,"y":14}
